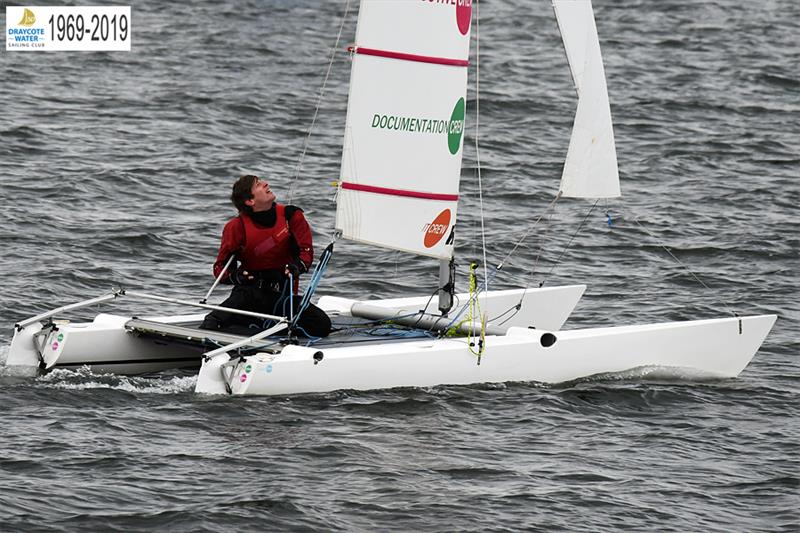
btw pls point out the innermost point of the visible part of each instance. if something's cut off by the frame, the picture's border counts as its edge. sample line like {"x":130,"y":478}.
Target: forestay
{"x":401,"y":161}
{"x":590,"y":169}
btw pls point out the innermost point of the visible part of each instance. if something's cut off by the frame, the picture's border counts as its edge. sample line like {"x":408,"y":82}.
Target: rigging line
{"x":530,"y":228}
{"x":669,"y":252}
{"x":542,"y":240}
{"x":419,"y":314}
{"x":569,"y":243}
{"x":546,"y":213}
{"x":422,"y":313}
{"x":514,"y":308}
{"x":477,"y":125}
{"x":319,"y":101}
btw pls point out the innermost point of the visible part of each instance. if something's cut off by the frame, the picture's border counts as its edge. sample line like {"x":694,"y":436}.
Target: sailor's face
{"x":263,"y":197}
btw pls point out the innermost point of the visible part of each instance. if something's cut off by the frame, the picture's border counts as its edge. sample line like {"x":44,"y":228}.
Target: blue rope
{"x":316,"y":278}
{"x":311,"y":338}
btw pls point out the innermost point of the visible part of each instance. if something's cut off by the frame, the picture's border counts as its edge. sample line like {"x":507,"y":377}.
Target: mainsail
{"x":590,"y":169}
{"x":401,"y":161}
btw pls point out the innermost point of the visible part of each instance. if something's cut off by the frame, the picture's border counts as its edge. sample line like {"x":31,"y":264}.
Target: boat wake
{"x":14,"y":374}
{"x":83,"y":378}
{"x":654,"y":373}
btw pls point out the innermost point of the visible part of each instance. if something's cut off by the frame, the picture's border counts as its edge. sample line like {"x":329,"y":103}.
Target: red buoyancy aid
{"x":266,"y":248}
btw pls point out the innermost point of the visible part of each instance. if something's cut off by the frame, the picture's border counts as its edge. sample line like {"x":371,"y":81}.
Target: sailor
{"x":271,"y":242}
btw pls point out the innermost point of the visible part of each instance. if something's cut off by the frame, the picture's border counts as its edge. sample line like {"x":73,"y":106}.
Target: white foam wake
{"x":83,"y":378}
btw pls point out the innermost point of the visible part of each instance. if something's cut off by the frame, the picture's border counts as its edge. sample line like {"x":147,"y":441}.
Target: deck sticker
{"x":55,"y":346}
{"x":243,"y":378}
{"x":60,"y":337}
{"x":248,"y":368}
{"x":268,"y":369}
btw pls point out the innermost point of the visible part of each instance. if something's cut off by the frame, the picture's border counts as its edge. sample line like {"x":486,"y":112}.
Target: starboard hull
{"x":719,"y":348}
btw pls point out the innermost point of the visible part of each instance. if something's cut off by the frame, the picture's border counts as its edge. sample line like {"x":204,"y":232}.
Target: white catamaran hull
{"x":105,"y":345}
{"x":719,"y":348}
{"x":110,"y":344}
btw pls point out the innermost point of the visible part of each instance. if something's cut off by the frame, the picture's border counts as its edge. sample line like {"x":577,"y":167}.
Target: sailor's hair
{"x":242,"y":191}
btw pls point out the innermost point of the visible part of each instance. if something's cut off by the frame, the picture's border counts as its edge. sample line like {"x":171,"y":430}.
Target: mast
{"x":446,"y":284}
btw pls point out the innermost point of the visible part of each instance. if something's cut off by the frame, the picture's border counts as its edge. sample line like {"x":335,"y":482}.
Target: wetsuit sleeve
{"x":232,"y":243}
{"x":301,"y":232}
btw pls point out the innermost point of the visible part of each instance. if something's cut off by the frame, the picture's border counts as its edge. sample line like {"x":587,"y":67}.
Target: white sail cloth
{"x":401,"y":161}
{"x":590,"y":169}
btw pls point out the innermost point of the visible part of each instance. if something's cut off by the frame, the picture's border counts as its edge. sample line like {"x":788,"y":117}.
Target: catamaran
{"x":399,"y":189}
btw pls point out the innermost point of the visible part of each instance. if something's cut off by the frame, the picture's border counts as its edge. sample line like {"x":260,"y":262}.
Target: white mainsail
{"x":401,"y":161}
{"x":590,"y":169}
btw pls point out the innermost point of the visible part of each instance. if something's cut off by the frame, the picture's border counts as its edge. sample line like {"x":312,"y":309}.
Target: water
{"x":115,"y":169}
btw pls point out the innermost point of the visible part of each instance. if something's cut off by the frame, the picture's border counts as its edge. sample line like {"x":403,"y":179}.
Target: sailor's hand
{"x":242,"y":277}
{"x":292,"y":270}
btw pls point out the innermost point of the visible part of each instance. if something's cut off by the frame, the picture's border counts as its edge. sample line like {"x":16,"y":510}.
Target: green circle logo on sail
{"x":455,"y":127}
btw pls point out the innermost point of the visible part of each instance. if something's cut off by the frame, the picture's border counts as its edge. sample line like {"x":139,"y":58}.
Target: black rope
{"x":516,"y":310}
{"x":685,"y":267}
{"x":320,"y":96}
{"x":551,"y":206}
{"x":421,"y":312}
{"x":548,"y":212}
{"x":542,"y":240}
{"x":585,"y":218}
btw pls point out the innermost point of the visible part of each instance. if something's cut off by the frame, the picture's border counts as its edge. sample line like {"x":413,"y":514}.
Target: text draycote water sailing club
{"x":25,"y":35}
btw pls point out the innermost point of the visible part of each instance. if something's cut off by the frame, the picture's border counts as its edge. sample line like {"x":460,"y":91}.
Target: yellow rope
{"x":475,"y":312}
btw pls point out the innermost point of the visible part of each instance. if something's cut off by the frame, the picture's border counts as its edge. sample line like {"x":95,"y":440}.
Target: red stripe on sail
{"x":399,"y":192}
{"x":409,"y":57}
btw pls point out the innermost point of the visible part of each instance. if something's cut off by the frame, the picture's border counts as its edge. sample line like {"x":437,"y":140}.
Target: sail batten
{"x":399,"y":192}
{"x":411,"y":57}
{"x":590,"y":168}
{"x":401,"y":159}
